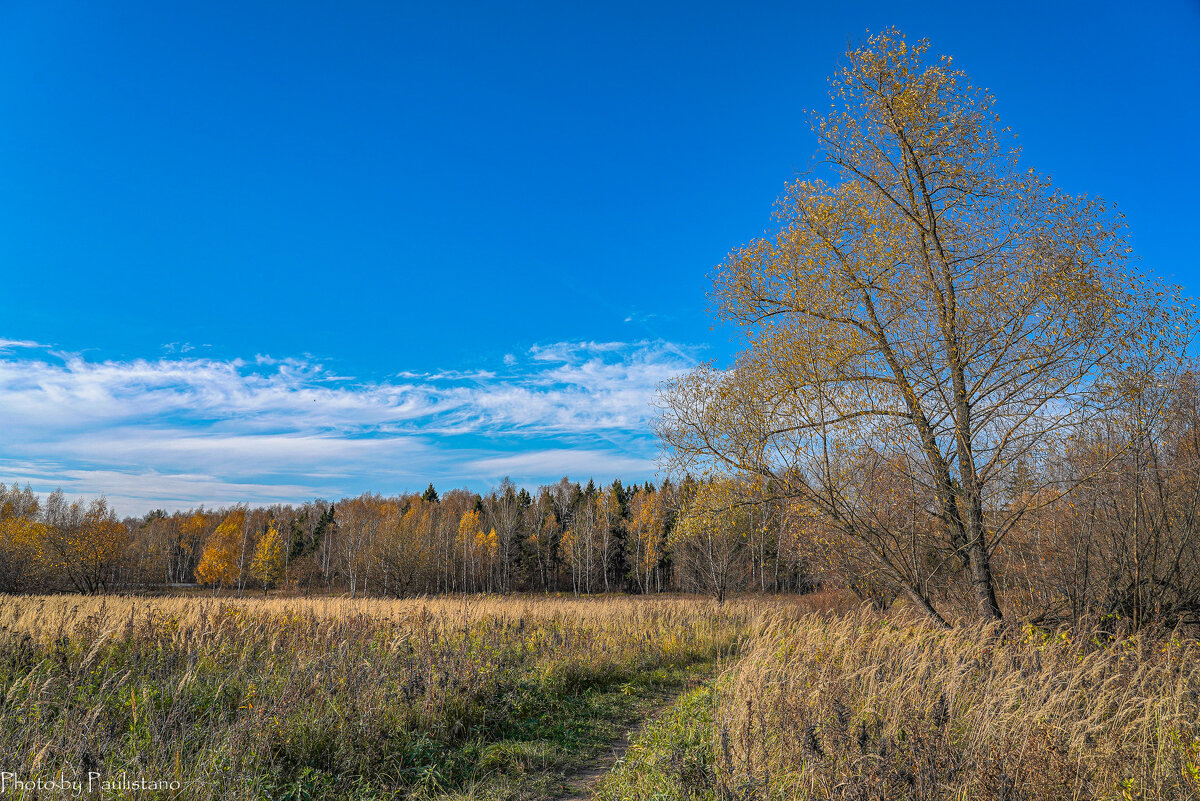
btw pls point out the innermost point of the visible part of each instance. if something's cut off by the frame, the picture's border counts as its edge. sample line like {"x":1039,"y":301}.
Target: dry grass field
{"x":502,"y":698}
{"x":295,"y":698}
{"x":857,"y":706}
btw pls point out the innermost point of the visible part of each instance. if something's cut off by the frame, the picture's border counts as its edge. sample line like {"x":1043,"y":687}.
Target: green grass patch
{"x":672,"y":758}
{"x":534,"y":759}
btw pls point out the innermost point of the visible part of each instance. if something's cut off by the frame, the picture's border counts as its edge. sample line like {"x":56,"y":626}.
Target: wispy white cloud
{"x":180,"y":347}
{"x":561,"y":462}
{"x":10,"y":344}
{"x":139,"y":490}
{"x":572,"y":351}
{"x":183,"y":429}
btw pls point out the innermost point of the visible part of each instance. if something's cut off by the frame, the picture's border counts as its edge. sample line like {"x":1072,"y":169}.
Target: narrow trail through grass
{"x":583,"y":782}
{"x":861,"y":706}
{"x":670,"y":757}
{"x":567,"y":755}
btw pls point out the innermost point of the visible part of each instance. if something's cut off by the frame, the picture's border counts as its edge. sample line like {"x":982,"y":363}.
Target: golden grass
{"x":340,"y":698}
{"x":863,"y":707}
{"x":52,"y":614}
{"x":333,"y":698}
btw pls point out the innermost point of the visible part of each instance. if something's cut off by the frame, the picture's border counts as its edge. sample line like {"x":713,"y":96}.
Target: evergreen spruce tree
{"x":618,"y":557}
{"x":296,"y":536}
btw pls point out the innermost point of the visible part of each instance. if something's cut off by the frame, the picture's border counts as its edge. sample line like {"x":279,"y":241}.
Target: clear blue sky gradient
{"x":414,"y":185}
{"x":420,"y":186}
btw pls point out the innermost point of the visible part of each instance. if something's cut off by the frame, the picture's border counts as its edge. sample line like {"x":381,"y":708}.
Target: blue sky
{"x":257,"y":251}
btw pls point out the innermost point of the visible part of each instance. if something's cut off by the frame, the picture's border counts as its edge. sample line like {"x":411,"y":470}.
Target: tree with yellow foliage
{"x":711,"y":539}
{"x":403,"y":551}
{"x":480,"y":550}
{"x":936,"y":309}
{"x":221,"y":563}
{"x":270,"y":558}
{"x":646,"y":527}
{"x":85,"y":544}
{"x":21,"y":535}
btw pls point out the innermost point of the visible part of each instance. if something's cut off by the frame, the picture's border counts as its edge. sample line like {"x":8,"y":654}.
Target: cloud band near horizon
{"x":180,"y":431}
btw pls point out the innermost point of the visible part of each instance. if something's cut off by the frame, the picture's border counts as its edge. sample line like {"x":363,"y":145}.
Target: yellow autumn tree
{"x":269,"y":558}
{"x":22,"y":543}
{"x":221,"y":562}
{"x":85,"y":544}
{"x":646,"y":527}
{"x":710,"y":540}
{"x":22,"y":535}
{"x":404,"y":550}
{"x":479,"y":548}
{"x":469,"y":530}
{"x":487,"y":546}
{"x":935,"y":308}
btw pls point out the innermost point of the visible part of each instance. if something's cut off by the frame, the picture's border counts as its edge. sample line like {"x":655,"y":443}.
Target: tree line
{"x":563,"y":537}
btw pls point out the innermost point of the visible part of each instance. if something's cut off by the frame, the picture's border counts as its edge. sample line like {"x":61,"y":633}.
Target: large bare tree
{"x":930,"y":308}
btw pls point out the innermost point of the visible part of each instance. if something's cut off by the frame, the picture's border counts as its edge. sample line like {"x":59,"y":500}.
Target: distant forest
{"x":564,"y":537}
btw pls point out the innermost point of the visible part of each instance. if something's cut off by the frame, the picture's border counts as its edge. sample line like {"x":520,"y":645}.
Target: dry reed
{"x":862,"y":707}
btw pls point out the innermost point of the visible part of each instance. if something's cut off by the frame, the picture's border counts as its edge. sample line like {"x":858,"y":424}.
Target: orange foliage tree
{"x":222,"y":561}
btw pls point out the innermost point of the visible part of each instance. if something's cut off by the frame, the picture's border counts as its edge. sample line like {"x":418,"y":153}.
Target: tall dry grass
{"x":861,"y":707}
{"x":331,"y":698}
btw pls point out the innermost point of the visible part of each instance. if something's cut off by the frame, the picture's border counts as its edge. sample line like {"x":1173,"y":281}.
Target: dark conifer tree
{"x":296,"y":535}
{"x":618,"y":557}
